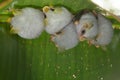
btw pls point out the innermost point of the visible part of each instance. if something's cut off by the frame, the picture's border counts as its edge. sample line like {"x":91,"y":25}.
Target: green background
{"x":39,"y":59}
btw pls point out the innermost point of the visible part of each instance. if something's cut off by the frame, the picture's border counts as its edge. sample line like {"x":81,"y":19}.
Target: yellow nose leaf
{"x":46,"y":9}
{"x":88,"y":25}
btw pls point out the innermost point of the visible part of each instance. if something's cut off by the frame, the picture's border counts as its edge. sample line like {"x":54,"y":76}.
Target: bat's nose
{"x":46,"y":9}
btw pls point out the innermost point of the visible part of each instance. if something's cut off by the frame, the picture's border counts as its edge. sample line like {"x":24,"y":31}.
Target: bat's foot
{"x":82,"y":38}
{"x":97,"y":46}
{"x":89,"y":42}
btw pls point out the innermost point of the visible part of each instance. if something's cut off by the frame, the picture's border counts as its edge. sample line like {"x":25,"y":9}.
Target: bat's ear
{"x":77,"y":17}
{"x":88,"y":25}
{"x":95,"y":14}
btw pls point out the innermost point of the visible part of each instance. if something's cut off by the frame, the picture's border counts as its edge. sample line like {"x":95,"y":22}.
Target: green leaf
{"x":39,"y":59}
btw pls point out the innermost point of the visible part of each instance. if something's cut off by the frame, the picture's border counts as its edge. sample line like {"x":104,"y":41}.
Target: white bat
{"x":28,"y":23}
{"x":56,"y":18}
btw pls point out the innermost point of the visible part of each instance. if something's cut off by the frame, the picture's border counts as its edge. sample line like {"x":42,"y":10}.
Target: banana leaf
{"x":39,"y":59}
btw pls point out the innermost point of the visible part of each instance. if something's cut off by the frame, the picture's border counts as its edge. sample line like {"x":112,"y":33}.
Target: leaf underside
{"x":39,"y":59}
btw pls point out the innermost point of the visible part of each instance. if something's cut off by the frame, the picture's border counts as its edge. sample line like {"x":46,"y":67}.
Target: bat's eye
{"x":52,"y":9}
{"x":83,"y":32}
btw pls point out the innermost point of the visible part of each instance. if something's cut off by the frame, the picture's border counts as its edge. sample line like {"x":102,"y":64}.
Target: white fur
{"x":68,"y":39}
{"x":29,"y":23}
{"x":57,"y":20}
{"x":88,"y":18}
{"x":105,"y":31}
